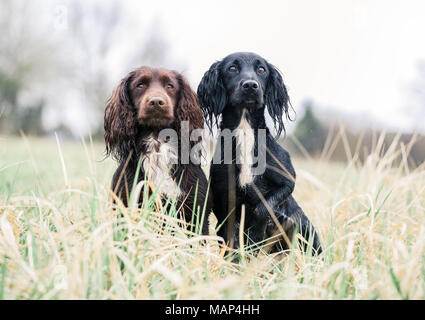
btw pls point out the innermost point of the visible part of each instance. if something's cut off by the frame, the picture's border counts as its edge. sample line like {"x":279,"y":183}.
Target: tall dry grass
{"x":60,"y":238}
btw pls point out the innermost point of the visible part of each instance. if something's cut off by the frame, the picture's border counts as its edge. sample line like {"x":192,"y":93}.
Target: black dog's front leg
{"x":290,"y":218}
{"x":266,"y":207}
{"x":279,"y":180}
{"x":282,"y":182}
{"x":271,"y":201}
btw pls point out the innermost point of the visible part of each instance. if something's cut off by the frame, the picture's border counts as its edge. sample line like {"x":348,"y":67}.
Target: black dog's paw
{"x":292,"y":225}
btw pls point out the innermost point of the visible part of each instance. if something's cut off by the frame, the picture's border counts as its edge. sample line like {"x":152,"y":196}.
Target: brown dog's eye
{"x":261,"y":70}
{"x":141,"y":85}
{"x":233,"y":69}
{"x":170,"y":86}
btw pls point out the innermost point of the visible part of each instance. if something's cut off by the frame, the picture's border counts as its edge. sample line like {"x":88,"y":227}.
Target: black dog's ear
{"x":277,"y":99}
{"x":212,"y":94}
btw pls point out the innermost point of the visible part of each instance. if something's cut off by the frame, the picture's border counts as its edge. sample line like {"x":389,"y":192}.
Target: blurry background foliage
{"x":59,"y":64}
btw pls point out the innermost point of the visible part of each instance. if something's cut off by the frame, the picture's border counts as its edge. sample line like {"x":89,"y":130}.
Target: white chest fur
{"x":245,"y":145}
{"x":157,"y":163}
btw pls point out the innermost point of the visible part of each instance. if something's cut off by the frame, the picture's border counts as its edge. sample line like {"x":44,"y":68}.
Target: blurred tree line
{"x":24,"y":59}
{"x":332,"y":141}
{"x":329,"y":140}
{"x":53,"y":62}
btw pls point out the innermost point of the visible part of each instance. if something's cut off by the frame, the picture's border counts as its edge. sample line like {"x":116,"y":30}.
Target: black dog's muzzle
{"x":250,"y":93}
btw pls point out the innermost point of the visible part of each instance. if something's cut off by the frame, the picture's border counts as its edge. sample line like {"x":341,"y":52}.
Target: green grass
{"x":60,"y":238}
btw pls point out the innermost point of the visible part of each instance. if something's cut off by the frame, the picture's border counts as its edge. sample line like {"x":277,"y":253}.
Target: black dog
{"x":239,"y":88}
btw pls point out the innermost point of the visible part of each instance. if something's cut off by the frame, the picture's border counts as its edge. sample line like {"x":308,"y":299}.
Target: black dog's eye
{"x":233,"y":69}
{"x":261,"y":70}
{"x":170,"y":86}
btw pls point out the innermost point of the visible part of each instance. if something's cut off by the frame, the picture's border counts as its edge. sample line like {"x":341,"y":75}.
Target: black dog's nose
{"x":250,"y":84}
{"x":157,"y":102}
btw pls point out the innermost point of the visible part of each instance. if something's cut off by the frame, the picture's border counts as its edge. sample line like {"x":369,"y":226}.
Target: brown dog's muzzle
{"x":156,"y":109}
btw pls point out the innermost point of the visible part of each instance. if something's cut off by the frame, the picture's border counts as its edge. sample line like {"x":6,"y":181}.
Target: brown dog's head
{"x":149,"y":98}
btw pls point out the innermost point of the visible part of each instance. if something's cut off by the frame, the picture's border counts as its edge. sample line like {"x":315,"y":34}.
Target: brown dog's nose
{"x":156,"y":102}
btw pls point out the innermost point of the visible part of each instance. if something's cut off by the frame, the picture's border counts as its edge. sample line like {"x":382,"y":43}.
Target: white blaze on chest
{"x":245,"y":143}
{"x":157,"y":162}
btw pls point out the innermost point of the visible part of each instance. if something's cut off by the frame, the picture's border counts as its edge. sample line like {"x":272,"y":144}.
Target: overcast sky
{"x":358,"y":57}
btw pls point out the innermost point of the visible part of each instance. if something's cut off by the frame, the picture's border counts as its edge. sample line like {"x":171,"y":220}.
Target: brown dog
{"x":147,"y":101}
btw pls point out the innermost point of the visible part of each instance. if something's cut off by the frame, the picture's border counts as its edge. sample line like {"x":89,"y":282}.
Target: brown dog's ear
{"x":120,"y":120}
{"x":188,"y":107}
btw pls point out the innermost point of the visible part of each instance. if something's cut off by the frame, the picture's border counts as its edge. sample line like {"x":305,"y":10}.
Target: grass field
{"x":59,"y":238}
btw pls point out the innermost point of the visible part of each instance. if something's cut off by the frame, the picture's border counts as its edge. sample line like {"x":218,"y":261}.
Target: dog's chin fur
{"x":252,"y":105}
{"x":156,"y":122}
{"x":247,"y":103}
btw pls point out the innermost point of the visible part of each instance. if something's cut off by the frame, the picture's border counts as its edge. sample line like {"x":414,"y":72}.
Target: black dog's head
{"x":243,"y":80}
